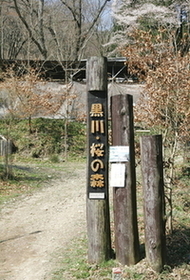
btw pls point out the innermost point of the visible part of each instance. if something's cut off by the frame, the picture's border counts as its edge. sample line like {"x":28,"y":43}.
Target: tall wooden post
{"x":154,"y":207}
{"x":98,"y":217}
{"x":124,"y":198}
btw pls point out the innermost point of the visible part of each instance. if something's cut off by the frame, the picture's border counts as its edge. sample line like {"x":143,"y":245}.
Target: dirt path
{"x":34,"y":228}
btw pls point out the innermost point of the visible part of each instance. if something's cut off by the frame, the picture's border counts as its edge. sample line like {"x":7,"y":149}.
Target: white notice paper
{"x":117,"y":177}
{"x":119,"y":154}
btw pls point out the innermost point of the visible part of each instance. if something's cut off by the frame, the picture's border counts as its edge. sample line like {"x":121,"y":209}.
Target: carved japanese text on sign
{"x":96,"y":165}
{"x":97,"y":180}
{"x":96,"y":110}
{"x":97,"y":125}
{"x":97,"y":148}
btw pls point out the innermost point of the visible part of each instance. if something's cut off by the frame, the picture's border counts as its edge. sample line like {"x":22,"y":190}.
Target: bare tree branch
{"x":41,"y":47}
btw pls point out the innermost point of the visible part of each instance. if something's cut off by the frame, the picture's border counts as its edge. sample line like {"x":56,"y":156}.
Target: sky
{"x":107,"y":16}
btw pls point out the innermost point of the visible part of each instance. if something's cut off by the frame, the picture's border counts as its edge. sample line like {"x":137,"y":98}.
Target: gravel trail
{"x":35,"y":228}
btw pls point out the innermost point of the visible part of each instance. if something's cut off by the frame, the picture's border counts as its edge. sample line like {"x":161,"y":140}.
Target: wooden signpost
{"x":124,"y":197}
{"x":98,"y":218}
{"x":123,"y":178}
{"x":154,"y":206}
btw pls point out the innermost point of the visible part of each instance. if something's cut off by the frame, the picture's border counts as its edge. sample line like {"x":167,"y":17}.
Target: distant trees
{"x":28,"y":97}
{"x":13,"y":37}
{"x":155,"y":40}
{"x":20,"y":98}
{"x":24,"y":97}
{"x":57,"y":30}
{"x":151,"y":15}
{"x":164,"y":104}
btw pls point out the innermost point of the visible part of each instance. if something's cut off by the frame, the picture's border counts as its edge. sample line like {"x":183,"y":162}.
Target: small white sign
{"x":119,"y":154}
{"x":117,"y":177}
{"x":116,"y":273}
{"x":94,"y":195}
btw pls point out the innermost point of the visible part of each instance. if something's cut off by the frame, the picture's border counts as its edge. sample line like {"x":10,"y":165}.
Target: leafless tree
{"x":59,"y":29}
